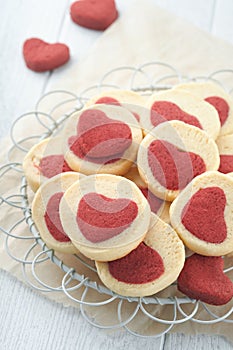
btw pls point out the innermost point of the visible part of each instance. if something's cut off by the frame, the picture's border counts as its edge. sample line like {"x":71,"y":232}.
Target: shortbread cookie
{"x":43,"y":161}
{"x":134,"y":102}
{"x":102,"y":139}
{"x":175,"y":104}
{"x":202,"y":278}
{"x":180,"y":105}
{"x":218,"y":98}
{"x":202,"y":214}
{"x":225,"y":148}
{"x":157,"y":205}
{"x":45,"y":211}
{"x":149,"y":268}
{"x":105,"y":216}
{"x":172,"y":155}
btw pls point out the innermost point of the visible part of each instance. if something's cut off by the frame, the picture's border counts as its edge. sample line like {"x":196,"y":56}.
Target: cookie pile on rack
{"x":133,"y":181}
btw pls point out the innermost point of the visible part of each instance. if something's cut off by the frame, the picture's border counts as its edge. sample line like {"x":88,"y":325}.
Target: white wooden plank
{"x":80,"y":40}
{"x":196,"y":342}
{"x":21,"y":19}
{"x":198,"y":12}
{"x":222,"y":21}
{"x":29,"y":321}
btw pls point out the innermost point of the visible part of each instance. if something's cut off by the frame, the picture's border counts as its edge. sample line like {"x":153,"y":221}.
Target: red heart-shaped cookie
{"x":142,"y":265}
{"x":171,"y":167}
{"x":52,"y":218}
{"x":202,"y":278}
{"x":162,"y":111}
{"x":94,"y":14}
{"x":41,"y":56}
{"x":100,"y":218}
{"x":203,"y":215}
{"x":99,"y":137}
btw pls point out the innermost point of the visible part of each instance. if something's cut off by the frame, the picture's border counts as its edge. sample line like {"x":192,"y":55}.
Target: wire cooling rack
{"x":78,"y":280}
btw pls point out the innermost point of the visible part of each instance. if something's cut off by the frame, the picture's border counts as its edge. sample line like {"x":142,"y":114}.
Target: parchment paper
{"x":143,"y":33}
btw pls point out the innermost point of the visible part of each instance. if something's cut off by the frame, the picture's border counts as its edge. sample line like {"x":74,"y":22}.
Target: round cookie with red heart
{"x":172,"y":155}
{"x":225,"y":148}
{"x":102,"y":139}
{"x":45,"y":212}
{"x":151,"y":267}
{"x":43,"y":161}
{"x":202,"y":214}
{"x":105,"y":216}
{"x":134,"y":102}
{"x":94,"y":14}
{"x":41,"y":56}
{"x":202,"y":278}
{"x":157,"y":205}
{"x":216,"y":96}
{"x":175,"y":104}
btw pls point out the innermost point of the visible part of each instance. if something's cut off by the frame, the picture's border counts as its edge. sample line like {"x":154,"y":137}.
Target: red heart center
{"x":171,"y":167}
{"x":202,"y":278}
{"x":41,"y":56}
{"x":112,"y":101}
{"x":226,"y":163}
{"x":221,"y":106}
{"x":94,"y":14}
{"x":142,"y":265}
{"x":100,"y":218}
{"x":155,"y":202}
{"x":99,"y":138}
{"x":162,"y":111}
{"x":52,"y":218}
{"x":53,"y":165}
{"x":108,"y":101}
{"x":203,"y":215}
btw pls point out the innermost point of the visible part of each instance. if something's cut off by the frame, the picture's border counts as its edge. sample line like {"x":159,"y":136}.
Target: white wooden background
{"x":28,"y":320}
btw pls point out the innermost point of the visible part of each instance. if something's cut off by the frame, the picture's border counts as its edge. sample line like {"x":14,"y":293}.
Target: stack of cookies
{"x":132,"y":182}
